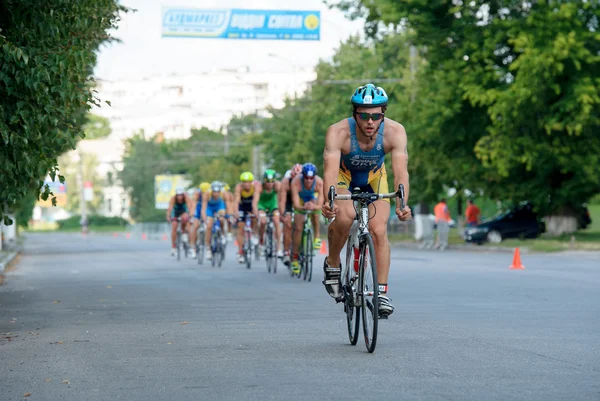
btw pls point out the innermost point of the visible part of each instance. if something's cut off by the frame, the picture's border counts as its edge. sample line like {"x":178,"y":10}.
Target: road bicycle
{"x":360,"y":288}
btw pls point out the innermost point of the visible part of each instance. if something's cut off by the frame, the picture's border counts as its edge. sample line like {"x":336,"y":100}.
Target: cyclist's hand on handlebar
{"x":328,"y":212}
{"x":403,"y":214}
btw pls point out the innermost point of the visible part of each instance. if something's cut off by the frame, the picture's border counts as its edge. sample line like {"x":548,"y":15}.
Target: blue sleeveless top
{"x":307,"y":194}
{"x":359,"y":165}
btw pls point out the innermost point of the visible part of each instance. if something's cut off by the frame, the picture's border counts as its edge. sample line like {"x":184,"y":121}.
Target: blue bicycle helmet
{"x":309,"y":170}
{"x":369,"y":95}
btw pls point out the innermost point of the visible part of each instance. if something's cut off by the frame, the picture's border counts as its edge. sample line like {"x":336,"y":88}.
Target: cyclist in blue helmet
{"x":307,"y":195}
{"x":355,"y":148}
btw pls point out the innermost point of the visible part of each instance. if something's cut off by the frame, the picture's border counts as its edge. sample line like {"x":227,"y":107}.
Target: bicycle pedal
{"x":383,"y":316}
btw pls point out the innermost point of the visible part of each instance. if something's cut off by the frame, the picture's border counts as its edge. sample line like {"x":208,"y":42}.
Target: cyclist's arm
{"x":399,"y":151}
{"x":282,"y":196}
{"x":331,"y":158}
{"x":237,"y":198}
{"x":321,"y":197}
{"x":170,"y":208}
{"x":256,"y":197}
{"x":191,"y":205}
{"x":205,"y":197}
{"x":296,"y":182}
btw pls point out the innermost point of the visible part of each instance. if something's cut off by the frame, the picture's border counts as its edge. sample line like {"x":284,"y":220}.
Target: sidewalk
{"x":6,"y":257}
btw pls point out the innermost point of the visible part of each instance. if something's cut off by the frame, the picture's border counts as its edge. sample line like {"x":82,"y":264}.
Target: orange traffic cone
{"x":164,"y":237}
{"x":323,"y":250}
{"x":144,"y":236}
{"x":127,"y":235}
{"x":235,"y":243}
{"x":115,"y":235}
{"x":516,"y":264}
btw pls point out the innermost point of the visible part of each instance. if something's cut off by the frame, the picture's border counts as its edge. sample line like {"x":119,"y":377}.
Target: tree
{"x":96,"y":127}
{"x":517,"y":82}
{"x":47,"y":54}
{"x":70,"y":170}
{"x":143,"y":160}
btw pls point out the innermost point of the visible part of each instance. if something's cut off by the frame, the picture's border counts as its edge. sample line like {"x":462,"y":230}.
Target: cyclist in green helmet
{"x":267,"y":203}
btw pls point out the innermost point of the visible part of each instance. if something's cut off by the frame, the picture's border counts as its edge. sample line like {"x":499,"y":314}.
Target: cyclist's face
{"x":179,"y":198}
{"x":374,"y":118}
{"x":216,"y":194}
{"x":246,"y":186}
{"x":269,"y":185}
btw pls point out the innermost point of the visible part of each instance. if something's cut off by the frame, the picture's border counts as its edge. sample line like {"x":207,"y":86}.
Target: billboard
{"x":165,"y":186}
{"x":59,"y":190}
{"x":241,"y":24}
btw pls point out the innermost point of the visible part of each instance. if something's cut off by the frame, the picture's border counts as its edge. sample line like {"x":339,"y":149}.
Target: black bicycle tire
{"x":268,"y":249}
{"x":311,"y":248}
{"x":367,"y":243}
{"x":178,"y":244}
{"x":307,"y":254}
{"x":291,"y":248}
{"x":273,"y":251}
{"x":353,"y":324}
{"x":248,"y":250}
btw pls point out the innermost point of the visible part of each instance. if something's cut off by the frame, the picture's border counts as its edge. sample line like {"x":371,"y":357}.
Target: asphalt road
{"x":103,"y":318}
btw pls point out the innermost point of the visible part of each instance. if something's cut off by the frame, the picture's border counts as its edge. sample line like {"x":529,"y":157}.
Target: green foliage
{"x":93,"y":220}
{"x":205,"y":156}
{"x":96,"y":127}
{"x":47,"y":54}
{"x":70,"y":169}
{"x":507,"y":96}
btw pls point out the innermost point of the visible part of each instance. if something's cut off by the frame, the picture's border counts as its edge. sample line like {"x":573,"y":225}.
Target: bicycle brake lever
{"x":401,"y":190}
{"x":331,"y":196}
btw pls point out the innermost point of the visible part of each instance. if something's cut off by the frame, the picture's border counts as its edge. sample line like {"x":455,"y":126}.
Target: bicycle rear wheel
{"x":351,"y":304}
{"x":178,"y":244}
{"x":369,"y":291}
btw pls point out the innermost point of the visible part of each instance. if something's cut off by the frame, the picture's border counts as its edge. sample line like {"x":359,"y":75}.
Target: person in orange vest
{"x":472,"y":214}
{"x":442,"y":218}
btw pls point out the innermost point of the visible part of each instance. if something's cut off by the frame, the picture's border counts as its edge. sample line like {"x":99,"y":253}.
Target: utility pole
{"x":256,"y":162}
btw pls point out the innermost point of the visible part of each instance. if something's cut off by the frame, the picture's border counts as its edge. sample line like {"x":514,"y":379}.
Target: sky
{"x":144,"y":53}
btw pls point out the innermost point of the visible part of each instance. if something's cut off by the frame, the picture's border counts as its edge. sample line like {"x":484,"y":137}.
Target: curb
{"x":11,"y":256}
{"x":457,"y":247}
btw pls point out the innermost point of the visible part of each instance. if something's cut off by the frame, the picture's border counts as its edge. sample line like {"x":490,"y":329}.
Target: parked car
{"x":583,"y":217}
{"x":517,"y":222}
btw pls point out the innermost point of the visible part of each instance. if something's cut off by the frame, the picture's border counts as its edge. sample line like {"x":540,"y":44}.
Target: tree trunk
{"x":558,"y":225}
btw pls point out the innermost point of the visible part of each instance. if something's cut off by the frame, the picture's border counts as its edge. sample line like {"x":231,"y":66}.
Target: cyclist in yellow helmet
{"x":246,"y":201}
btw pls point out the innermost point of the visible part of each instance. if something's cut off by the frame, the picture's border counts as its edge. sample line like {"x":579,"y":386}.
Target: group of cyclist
{"x":300,"y":190}
{"x":353,"y":157}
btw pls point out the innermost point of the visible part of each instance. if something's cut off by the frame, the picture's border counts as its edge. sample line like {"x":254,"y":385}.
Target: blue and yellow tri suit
{"x":307,"y":195}
{"x":364,"y":170}
{"x":214,"y":206}
{"x":198,"y":213}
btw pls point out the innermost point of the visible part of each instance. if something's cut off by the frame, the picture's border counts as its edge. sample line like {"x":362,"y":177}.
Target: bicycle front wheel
{"x":268,"y":241}
{"x":308,"y":256}
{"x":351,"y":301}
{"x":369,"y":291}
{"x":178,"y":243}
{"x":248,"y":251}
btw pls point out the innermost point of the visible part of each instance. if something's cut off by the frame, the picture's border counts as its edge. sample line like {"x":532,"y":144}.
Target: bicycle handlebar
{"x":366,"y":196}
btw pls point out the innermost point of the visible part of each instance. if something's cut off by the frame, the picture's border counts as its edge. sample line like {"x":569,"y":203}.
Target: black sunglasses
{"x":367,"y":116}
